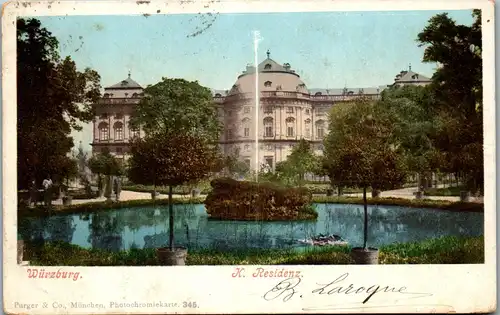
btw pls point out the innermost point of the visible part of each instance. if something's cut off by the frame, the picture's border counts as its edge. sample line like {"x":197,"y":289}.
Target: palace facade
{"x":289,"y":111}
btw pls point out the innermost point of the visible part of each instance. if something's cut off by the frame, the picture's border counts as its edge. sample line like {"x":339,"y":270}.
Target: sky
{"x":327,"y":49}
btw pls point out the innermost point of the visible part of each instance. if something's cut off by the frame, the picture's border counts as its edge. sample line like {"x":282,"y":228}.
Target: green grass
{"x":446,"y":250}
{"x":410,"y":203}
{"x":449,"y":191}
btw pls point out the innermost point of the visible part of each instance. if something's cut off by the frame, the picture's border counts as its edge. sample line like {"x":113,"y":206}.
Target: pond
{"x":147,"y":227}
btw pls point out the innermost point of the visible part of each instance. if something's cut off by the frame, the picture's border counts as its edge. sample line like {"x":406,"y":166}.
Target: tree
{"x":171,"y":159}
{"x":233,"y":165}
{"x":300,"y":162}
{"x":409,"y":108}
{"x":178,"y":105}
{"x":53,"y":98}
{"x":105,"y":163}
{"x":457,"y":83}
{"x":457,"y":89}
{"x":359,"y":152}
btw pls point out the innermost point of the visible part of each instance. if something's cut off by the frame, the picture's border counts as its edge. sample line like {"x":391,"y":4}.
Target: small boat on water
{"x":322,"y":240}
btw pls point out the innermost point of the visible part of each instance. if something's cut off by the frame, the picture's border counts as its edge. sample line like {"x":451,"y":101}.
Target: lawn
{"x":449,"y":191}
{"x":446,"y":250}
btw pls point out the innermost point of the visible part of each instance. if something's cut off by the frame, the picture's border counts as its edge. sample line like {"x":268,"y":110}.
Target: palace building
{"x":288,"y":112}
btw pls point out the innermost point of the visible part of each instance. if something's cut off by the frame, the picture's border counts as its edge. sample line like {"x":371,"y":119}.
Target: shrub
{"x":244,"y":200}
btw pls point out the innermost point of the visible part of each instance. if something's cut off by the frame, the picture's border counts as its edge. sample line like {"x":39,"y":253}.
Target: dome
{"x":272,"y":77}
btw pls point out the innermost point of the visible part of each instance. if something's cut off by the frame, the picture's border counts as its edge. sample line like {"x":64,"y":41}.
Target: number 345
{"x":189,"y":304}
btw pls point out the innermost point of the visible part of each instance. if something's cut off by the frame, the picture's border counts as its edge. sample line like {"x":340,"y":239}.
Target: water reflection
{"x":148,"y":227}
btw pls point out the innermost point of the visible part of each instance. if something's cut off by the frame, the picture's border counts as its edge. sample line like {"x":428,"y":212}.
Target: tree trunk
{"x":171,"y":218}
{"x":365,"y":227}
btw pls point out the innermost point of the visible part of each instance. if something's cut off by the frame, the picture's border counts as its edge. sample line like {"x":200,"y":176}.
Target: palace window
{"x":247,"y":162}
{"x":268,"y":83}
{"x":118,"y":131}
{"x":318,"y":94}
{"x":269,"y":147}
{"x":307,"y":111}
{"x":268,"y":110}
{"x":119,"y":150}
{"x":320,"y":129}
{"x":267,"y":66}
{"x":308,"y":132}
{"x":246,"y":110}
{"x":246,"y":127}
{"x":218,"y":95}
{"x":230,"y":134}
{"x":268,"y":127}
{"x":106,"y":95}
{"x":103,"y":132}
{"x":247,"y":147}
{"x":289,"y":110}
{"x":290,"y":123}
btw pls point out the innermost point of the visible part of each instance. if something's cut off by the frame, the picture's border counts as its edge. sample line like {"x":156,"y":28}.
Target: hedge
{"x":244,"y":200}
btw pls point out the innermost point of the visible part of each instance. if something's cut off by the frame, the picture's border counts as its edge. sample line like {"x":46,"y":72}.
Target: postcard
{"x":213,"y":157}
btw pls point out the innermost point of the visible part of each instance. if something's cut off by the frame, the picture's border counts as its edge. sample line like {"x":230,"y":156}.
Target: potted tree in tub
{"x":170,"y":159}
{"x":181,"y":130}
{"x":359,"y":153}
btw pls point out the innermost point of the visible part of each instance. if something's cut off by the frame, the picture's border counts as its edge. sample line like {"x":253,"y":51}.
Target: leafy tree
{"x":69,"y":168}
{"x":457,"y":90}
{"x":171,"y":159}
{"x":105,"y":163}
{"x":53,"y":98}
{"x":301,"y":161}
{"x":178,"y":105}
{"x":233,"y":165}
{"x":457,"y":83}
{"x":359,"y":152}
{"x":409,"y":108}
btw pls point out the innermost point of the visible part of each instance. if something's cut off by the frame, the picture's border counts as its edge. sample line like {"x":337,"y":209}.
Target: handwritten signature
{"x":288,"y":288}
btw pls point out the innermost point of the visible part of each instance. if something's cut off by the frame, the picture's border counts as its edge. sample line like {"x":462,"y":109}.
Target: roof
{"x":346,"y":90}
{"x":410,"y":76}
{"x":269,"y":65}
{"x":128,"y":83}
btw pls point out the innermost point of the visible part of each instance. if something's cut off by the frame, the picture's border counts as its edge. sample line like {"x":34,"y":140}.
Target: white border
{"x":454,"y":288}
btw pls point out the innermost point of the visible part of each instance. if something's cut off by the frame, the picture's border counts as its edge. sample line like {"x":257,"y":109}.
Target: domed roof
{"x":272,"y":77}
{"x":128,"y":83}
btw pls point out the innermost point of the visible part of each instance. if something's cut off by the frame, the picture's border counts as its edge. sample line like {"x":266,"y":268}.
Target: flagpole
{"x":256,"y":40}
